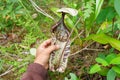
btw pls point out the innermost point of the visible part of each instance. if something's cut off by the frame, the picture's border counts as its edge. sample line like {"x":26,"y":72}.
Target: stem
{"x":13,"y":69}
{"x":113,"y":26}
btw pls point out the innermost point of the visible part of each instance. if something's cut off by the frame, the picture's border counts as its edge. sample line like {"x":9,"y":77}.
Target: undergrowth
{"x":96,"y":29}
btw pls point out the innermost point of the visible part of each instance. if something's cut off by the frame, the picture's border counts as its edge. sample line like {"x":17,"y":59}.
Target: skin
{"x":43,"y":53}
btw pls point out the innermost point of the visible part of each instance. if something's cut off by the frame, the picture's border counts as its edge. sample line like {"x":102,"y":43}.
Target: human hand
{"x":43,"y":53}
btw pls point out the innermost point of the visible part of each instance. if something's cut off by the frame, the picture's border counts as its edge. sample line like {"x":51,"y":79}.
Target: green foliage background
{"x":23,"y":28}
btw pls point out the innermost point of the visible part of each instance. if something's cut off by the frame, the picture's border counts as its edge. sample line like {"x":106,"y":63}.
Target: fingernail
{"x":57,"y":46}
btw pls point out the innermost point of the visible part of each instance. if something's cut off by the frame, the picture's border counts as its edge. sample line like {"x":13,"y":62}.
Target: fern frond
{"x":88,"y":8}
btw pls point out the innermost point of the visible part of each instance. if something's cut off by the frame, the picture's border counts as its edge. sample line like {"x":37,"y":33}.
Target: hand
{"x":43,"y":53}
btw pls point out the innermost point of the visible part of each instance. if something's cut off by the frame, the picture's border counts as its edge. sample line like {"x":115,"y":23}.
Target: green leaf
{"x":115,"y":60}
{"x":111,"y":75}
{"x":118,"y":75}
{"x":114,"y":43}
{"x":111,"y":50}
{"x":116,"y":69}
{"x":54,"y":10}
{"x":103,"y":71}
{"x":117,"y":6}
{"x":101,"y":55}
{"x":73,"y":76}
{"x":102,"y":61}
{"x":110,"y":57}
{"x":66,"y":78}
{"x":101,"y":38}
{"x":70,"y":24}
{"x":98,"y":7}
{"x":95,"y":68}
{"x":104,"y":39}
{"x":88,"y":8}
{"x":107,"y":13}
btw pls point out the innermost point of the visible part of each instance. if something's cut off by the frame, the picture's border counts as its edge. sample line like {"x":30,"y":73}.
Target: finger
{"x":52,"y":48}
{"x":45,"y":43}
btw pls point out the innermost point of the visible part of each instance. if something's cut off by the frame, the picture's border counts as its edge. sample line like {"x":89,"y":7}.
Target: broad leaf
{"x":101,"y":55}
{"x":110,"y":57}
{"x":114,"y":43}
{"x":115,"y":60}
{"x":73,"y":76}
{"x":98,"y":7}
{"x":111,"y":75}
{"x":70,"y":24}
{"x":102,"y":61}
{"x":95,"y":68}
{"x":106,"y":14}
{"x":117,"y":6}
{"x":103,"y":71}
{"x":116,"y":69}
{"x":104,"y":39}
{"x":66,"y":78}
{"x":101,"y":38}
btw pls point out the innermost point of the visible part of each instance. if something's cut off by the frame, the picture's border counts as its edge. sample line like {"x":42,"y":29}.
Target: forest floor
{"x":23,"y":27}
{"x":14,"y":64}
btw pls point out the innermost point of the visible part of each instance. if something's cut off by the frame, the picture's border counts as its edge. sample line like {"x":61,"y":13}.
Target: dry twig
{"x":77,"y":36}
{"x":13,"y":69}
{"x":37,"y":8}
{"x":86,"y":48}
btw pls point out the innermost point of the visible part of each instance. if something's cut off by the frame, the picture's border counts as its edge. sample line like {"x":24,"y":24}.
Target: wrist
{"x":42,"y":64}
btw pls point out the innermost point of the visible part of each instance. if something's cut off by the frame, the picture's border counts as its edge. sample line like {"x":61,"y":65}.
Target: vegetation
{"x":95,"y":40}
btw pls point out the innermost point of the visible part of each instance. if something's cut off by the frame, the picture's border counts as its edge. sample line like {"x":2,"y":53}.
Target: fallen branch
{"x":77,"y":52}
{"x":94,"y":49}
{"x":13,"y":69}
{"x":37,"y":8}
{"x":86,"y":49}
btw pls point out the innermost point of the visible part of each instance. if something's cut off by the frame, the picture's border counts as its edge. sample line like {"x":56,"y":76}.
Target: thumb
{"x":52,"y":48}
